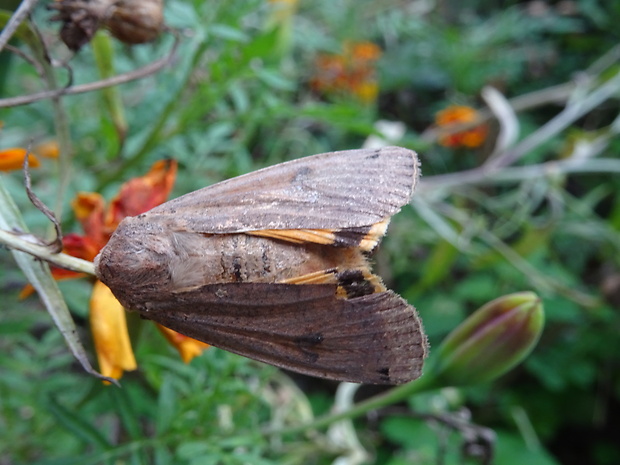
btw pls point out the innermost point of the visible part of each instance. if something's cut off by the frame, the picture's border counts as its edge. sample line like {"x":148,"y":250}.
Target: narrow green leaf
{"x":104,"y":56}
{"x":39,"y":275}
{"x":81,"y":428}
{"x":128,"y":414}
{"x":166,"y":405}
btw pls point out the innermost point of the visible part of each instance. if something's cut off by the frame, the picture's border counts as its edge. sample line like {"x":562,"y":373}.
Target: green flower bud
{"x":491,"y":341}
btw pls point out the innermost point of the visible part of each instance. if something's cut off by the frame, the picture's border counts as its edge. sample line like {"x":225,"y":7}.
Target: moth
{"x":273,"y":265}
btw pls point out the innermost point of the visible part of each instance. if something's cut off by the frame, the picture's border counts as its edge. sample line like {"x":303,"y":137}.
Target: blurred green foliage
{"x":236,"y":99}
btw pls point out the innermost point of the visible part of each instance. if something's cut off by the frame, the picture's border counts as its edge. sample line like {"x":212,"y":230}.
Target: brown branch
{"x":18,"y":17}
{"x":139,"y":73}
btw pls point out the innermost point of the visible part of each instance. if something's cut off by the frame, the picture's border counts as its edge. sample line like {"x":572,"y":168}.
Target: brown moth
{"x":272,"y":265}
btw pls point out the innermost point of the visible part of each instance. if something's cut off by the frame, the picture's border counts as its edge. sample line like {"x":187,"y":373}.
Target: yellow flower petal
{"x":109,"y":327}
{"x":187,"y":347}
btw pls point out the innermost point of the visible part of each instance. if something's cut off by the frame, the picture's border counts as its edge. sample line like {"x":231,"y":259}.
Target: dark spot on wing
{"x":350,"y":237}
{"x":266,"y":262}
{"x":355,"y":284}
{"x":305,"y":344}
{"x":309,"y":339}
{"x":301,"y":174}
{"x":237,"y":269}
{"x":373,"y":156}
{"x":384,"y":374}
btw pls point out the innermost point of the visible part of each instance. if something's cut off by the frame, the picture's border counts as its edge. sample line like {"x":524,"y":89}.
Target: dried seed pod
{"x":130,"y":21}
{"x":136,"y":21}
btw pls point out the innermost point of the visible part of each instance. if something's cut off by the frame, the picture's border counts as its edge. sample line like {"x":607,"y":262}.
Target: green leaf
{"x":81,"y":428}
{"x":166,"y":405}
{"x":512,"y":450}
{"x":127,"y":411}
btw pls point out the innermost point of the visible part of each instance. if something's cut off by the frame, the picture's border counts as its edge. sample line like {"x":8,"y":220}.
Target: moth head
{"x":134,"y":262}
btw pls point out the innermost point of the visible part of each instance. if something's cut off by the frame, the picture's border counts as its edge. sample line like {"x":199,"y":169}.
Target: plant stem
{"x":572,"y":112}
{"x":392,"y":396}
{"x":25,"y":243}
{"x":482,"y":175}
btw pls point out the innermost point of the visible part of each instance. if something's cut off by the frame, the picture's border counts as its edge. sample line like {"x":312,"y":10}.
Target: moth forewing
{"x":272,"y":265}
{"x":335,"y":190}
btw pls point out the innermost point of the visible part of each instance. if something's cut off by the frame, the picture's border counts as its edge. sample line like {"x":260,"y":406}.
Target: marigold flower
{"x":455,"y":115}
{"x":352,"y":72}
{"x":139,"y":195}
{"x":89,"y":209}
{"x":491,"y":341}
{"x":13,"y":159}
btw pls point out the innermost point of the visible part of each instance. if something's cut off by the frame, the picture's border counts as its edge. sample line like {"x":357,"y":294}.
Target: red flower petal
{"x":139,"y":195}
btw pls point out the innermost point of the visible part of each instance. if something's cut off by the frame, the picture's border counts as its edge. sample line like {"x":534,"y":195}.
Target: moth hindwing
{"x":272,"y":265}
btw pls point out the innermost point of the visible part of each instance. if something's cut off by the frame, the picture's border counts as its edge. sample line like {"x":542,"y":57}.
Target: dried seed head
{"x":136,"y":21}
{"x":130,"y":21}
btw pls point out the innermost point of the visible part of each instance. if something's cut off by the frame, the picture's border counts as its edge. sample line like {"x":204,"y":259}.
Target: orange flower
{"x":107,"y":317}
{"x":363,"y":52}
{"x":48,"y":149}
{"x":352,"y":72}
{"x":455,"y":115}
{"x":13,"y":159}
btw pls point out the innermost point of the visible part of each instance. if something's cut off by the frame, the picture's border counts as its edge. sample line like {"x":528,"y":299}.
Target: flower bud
{"x":491,"y":341}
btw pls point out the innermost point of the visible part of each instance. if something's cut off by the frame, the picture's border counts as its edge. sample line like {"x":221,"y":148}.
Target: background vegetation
{"x":242,"y":93}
